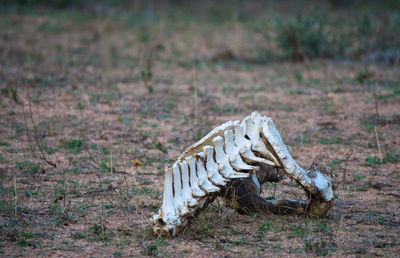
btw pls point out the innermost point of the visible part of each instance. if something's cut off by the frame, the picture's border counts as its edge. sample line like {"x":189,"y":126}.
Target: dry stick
{"x":35,"y":131}
{"x":379,"y":146}
{"x":376,"y":106}
{"x":274,"y":190}
{"x":195,"y":95}
{"x":134,"y":177}
{"x":31,"y":148}
{"x":15,"y":195}
{"x":350,"y":153}
{"x":111,"y":164}
{"x":111,"y":188}
{"x":30,"y":142}
{"x":96,"y":164}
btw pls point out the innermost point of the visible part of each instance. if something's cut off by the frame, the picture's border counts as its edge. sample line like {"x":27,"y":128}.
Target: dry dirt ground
{"x":92,"y":109}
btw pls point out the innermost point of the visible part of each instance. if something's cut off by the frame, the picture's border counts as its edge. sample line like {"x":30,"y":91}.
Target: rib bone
{"x":229,"y":154}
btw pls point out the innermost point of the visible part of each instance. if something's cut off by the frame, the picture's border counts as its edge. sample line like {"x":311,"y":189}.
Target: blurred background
{"x":291,"y":29}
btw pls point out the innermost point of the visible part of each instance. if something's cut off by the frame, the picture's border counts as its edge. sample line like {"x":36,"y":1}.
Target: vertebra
{"x":226,"y":163}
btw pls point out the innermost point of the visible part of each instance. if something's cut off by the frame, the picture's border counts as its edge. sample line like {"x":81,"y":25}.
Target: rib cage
{"x":229,"y":152}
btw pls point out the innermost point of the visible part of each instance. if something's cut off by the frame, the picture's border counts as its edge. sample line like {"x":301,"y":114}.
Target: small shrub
{"x":303,"y":37}
{"x":389,"y":158}
{"x":74,"y":145}
{"x":357,"y":176}
{"x":24,"y":239}
{"x":149,"y":250}
{"x":4,"y":144}
{"x":330,"y":141}
{"x":79,"y":235}
{"x":30,"y":167}
{"x":265,"y":226}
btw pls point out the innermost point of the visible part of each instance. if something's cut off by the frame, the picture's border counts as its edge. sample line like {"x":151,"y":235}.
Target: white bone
{"x":233,"y":151}
{"x":209,"y":165}
{"x":212,"y":168}
{"x":240,"y":139}
{"x":230,"y":147}
{"x":252,"y":125}
{"x":186,"y":189}
{"x":194,"y":180}
{"x":167,"y":215}
{"x":179,"y":202}
{"x":167,"y":209}
{"x":204,"y":183}
{"x":249,"y":157}
{"x":220,"y":154}
{"x":238,"y":164}
{"x":222,"y":158}
{"x":202,"y":142}
{"x":319,"y":184}
{"x":245,"y":151}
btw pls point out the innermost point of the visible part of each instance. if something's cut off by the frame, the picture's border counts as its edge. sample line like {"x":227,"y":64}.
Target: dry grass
{"x":106,"y":97}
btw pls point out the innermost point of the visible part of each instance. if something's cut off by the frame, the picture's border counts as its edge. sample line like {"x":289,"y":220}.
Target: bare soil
{"x":111,"y":104}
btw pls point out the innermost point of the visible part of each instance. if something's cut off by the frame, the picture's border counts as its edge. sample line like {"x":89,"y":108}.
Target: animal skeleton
{"x":232,"y":161}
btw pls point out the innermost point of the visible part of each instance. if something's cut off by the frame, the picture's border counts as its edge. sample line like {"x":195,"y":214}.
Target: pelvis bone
{"x":232,"y":162}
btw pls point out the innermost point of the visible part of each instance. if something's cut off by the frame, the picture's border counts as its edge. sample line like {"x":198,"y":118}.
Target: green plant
{"x":126,"y":120}
{"x":161,"y":147}
{"x":358,"y":176}
{"x":318,"y":247}
{"x":10,"y":92}
{"x":199,"y":135}
{"x":24,"y":239}
{"x":389,"y":158}
{"x":330,"y":141}
{"x":394,"y":94}
{"x":30,"y":167}
{"x":303,"y":37}
{"x":149,"y":250}
{"x":265,"y":226}
{"x":80,"y":106}
{"x":147,"y":75}
{"x":79,"y":235}
{"x":3,"y":143}
{"x":74,"y":145}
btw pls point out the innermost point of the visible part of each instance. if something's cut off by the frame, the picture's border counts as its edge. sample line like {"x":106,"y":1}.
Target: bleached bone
{"x":222,"y":157}
{"x":181,"y":207}
{"x":194,"y":180}
{"x":186,"y":189}
{"x":230,"y":152}
{"x":204,"y":182}
{"x":212,"y":168}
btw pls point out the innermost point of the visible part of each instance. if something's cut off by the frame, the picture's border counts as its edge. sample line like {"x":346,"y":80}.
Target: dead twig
{"x":196,"y":110}
{"x":43,"y":156}
{"x":376,"y":107}
{"x":15,"y":195}
{"x":349,"y":154}
{"x":110,"y":188}
{"x":379,"y":146}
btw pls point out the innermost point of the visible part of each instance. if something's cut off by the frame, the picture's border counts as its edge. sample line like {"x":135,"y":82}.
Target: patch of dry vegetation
{"x":93,"y":107}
